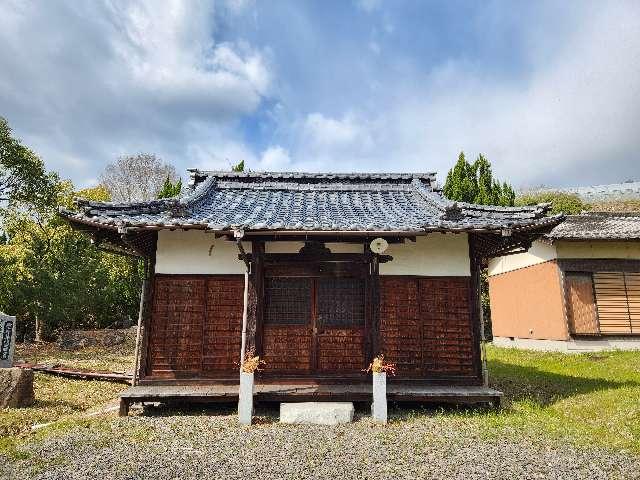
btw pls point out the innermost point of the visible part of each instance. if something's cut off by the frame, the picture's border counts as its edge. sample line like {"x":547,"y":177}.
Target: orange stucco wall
{"x":528,"y":303}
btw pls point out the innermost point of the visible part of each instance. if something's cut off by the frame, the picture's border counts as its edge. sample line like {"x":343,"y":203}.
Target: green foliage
{"x":170,"y":189}
{"x":238,"y":167}
{"x":474,"y":183}
{"x":59,"y":277}
{"x":97,"y":194}
{"x":22,"y":173}
{"x":562,"y":202}
{"x":51,"y":275}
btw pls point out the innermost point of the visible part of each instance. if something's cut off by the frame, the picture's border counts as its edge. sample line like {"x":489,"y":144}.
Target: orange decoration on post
{"x":379,"y":366}
{"x":252,"y":363}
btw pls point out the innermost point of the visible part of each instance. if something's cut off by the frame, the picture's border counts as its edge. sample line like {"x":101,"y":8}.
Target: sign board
{"x":7,"y":340}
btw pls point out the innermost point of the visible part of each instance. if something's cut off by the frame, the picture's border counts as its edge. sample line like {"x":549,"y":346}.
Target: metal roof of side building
{"x":598,"y":226}
{"x":311,"y":202}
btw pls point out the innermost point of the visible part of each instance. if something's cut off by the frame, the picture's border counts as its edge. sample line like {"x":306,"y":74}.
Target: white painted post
{"x":7,"y":340}
{"x":379,"y":405}
{"x":245,"y":398}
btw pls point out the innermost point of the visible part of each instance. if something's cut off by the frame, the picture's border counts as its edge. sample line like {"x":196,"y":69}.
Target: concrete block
{"x":317,"y":413}
{"x":245,"y":398}
{"x":379,"y":405}
{"x":16,"y":387}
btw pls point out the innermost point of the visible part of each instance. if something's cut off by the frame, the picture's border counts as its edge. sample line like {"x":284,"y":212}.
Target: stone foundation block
{"x":317,"y":413}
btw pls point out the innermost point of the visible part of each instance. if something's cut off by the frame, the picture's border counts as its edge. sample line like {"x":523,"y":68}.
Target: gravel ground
{"x":209,"y":446}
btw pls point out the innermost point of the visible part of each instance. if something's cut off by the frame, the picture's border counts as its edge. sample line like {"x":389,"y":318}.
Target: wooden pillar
{"x":255,"y":298}
{"x":475,"y":308}
{"x":146,"y":312}
{"x":374,"y":301}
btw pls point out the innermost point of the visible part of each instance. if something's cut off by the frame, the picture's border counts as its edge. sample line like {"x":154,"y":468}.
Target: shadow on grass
{"x":545,"y":388}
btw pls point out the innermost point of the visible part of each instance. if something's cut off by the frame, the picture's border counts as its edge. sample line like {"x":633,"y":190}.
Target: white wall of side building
{"x":436,"y":254}
{"x":539,"y":252}
{"x":543,"y":252}
{"x":599,"y":249}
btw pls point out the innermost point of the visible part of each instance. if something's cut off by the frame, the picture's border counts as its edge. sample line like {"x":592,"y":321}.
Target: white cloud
{"x":369,"y":5}
{"x":112,"y":77}
{"x":105,"y":78}
{"x":572,"y":120}
{"x":275,"y":158}
{"x":325,"y":134}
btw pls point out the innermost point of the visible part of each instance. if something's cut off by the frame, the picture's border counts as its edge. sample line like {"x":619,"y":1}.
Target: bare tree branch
{"x":136,"y":177}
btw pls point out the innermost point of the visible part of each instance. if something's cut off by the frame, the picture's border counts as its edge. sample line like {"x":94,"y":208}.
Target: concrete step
{"x":316,"y":413}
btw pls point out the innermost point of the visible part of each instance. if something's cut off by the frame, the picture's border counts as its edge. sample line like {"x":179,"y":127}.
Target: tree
{"x":461,"y":183}
{"x":59,"y":280}
{"x":22,"y":174}
{"x":52,"y":277}
{"x":97,"y":194}
{"x":474,"y":183}
{"x":567,"y":203}
{"x":239,"y":167}
{"x":170,"y":189}
{"x":136,"y":177}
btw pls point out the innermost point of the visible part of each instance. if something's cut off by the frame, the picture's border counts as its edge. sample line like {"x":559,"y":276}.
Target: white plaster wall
{"x":435,"y":254}
{"x":539,"y":252}
{"x":187,"y":251}
{"x":593,"y":249}
{"x":294,"y":247}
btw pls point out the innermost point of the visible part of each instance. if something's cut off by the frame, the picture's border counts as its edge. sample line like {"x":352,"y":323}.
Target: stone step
{"x":316,"y":413}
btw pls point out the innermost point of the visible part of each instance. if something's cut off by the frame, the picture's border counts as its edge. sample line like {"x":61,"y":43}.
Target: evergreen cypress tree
{"x":170,"y":189}
{"x":485,"y":194}
{"x":474,"y":183}
{"x":238,"y":167}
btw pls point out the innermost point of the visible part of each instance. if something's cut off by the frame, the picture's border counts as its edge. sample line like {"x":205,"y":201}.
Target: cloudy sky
{"x":548,"y":91}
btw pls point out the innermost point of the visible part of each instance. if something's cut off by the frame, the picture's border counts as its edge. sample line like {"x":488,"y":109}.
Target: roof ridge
{"x":604,"y":214}
{"x":319,"y":175}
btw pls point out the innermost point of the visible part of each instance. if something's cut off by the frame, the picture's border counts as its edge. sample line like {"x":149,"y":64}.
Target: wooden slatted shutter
{"x":612,"y":303}
{"x":581,"y":306}
{"x":632,"y":283}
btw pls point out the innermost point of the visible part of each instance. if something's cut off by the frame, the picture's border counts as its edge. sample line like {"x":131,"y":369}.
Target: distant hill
{"x":613,"y":192}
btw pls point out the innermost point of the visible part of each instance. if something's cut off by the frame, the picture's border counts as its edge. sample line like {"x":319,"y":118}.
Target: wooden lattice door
{"x":314,"y":323}
{"x":340,"y":324}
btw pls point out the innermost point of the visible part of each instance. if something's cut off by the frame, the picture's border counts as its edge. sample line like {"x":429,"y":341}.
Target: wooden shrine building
{"x":320,"y":302}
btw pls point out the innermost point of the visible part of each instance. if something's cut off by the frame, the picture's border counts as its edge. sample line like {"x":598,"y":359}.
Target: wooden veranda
{"x":306,"y":392}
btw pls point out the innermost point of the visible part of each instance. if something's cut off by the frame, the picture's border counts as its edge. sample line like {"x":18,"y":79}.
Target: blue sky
{"x":548,"y":91}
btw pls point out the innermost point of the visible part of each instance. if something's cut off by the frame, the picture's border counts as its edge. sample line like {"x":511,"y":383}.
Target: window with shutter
{"x":618,"y":302}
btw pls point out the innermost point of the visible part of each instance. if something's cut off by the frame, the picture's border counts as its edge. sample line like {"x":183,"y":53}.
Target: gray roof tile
{"x":598,"y":226}
{"x":311,"y":202}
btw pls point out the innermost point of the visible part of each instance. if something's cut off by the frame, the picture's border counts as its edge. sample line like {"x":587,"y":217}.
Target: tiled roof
{"x":598,"y":226}
{"x":367,"y":202}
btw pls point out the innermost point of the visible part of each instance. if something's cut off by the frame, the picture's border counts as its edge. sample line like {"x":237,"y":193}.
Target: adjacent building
{"x":576,"y":289}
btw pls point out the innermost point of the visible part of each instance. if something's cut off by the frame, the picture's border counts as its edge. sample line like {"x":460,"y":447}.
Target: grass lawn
{"x":587,"y":399}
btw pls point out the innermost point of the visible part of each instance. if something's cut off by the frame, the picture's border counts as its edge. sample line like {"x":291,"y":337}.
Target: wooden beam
{"x":326,"y":239}
{"x":256,"y":290}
